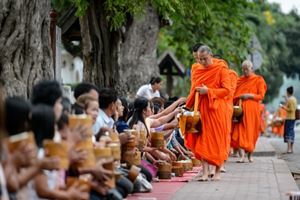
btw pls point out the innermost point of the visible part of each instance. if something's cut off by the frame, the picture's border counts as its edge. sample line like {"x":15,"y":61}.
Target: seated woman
{"x":49,"y":183}
{"x":122,"y":112}
{"x":142,"y":119}
{"x":19,"y":166}
{"x":90,"y":106}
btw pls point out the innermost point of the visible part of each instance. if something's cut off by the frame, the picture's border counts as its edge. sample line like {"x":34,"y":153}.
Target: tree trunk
{"x":25,"y":54}
{"x":124,"y":60}
{"x":138,"y":56}
{"x":99,"y":47}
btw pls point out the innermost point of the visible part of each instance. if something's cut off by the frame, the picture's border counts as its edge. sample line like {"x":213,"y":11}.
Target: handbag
{"x":149,"y":167}
{"x":297,"y":114}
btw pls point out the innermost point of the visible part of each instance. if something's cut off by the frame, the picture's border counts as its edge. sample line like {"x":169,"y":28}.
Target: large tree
{"x":121,"y":57}
{"x":119,"y":37}
{"x":119,"y":40}
{"x":25,"y":54}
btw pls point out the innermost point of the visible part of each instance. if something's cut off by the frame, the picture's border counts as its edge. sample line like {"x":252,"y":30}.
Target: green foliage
{"x":221,"y":25}
{"x":81,"y":5}
{"x":280,"y":45}
{"x":226,"y":26}
{"x":116,"y":11}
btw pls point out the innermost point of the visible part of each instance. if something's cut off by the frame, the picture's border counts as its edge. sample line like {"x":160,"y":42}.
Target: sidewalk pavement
{"x":292,"y":160}
{"x":264,"y":148}
{"x":265,"y":178}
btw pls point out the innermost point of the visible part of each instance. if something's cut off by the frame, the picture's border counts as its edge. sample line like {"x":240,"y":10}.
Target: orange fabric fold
{"x":279,"y":130}
{"x":233,"y":82}
{"x":263,"y":123}
{"x":246,"y":133}
{"x":210,"y":144}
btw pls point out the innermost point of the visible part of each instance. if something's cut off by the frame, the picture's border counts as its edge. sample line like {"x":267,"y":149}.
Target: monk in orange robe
{"x":233,"y":83}
{"x":251,"y":88}
{"x":279,"y":116}
{"x":263,"y":124}
{"x":211,"y":80}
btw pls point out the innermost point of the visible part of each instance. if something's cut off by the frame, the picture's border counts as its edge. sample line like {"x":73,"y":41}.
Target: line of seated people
{"x":28,"y":170}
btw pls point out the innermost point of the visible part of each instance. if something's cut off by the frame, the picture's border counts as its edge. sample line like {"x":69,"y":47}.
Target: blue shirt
{"x":121,"y":125}
{"x":102,"y":121}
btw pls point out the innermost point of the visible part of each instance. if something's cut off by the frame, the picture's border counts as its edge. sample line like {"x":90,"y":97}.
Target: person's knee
{"x":124,"y":186}
{"x":114,"y":194}
{"x":147,"y":174}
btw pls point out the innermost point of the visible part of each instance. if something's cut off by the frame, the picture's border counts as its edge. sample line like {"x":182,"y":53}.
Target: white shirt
{"x":4,"y":195}
{"x":102,"y":121}
{"x":55,"y":179}
{"x":147,"y":92}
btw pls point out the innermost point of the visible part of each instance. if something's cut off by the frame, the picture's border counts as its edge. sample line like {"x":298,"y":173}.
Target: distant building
{"x":71,"y":68}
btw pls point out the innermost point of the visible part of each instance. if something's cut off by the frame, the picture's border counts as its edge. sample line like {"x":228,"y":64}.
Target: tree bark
{"x":123,"y":59}
{"x":25,"y":55}
{"x":138,"y":55}
{"x":99,"y":47}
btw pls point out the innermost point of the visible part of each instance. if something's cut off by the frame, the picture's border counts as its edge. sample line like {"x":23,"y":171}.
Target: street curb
{"x":264,"y":154}
{"x":264,"y":148}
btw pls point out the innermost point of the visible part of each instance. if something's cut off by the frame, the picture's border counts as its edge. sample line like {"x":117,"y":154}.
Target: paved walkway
{"x":266,"y":178}
{"x":292,"y":160}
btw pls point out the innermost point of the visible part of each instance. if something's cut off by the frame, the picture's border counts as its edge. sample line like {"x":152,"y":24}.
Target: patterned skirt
{"x":289,"y":133}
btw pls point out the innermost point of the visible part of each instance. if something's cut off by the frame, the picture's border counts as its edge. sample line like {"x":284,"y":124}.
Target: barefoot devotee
{"x":233,"y":81}
{"x":251,"y":88}
{"x":289,"y":124}
{"x":211,"y":81}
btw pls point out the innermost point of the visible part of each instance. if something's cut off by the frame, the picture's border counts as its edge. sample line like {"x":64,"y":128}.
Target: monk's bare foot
{"x":216,"y":177}
{"x":223,"y":170}
{"x":202,"y":178}
{"x":235,"y":155}
{"x":211,"y":174}
{"x":250,"y":158}
{"x":212,"y":170}
{"x":242,"y":160}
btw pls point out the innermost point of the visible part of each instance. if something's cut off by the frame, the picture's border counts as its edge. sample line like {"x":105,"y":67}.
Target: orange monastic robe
{"x":246,"y":133}
{"x":233,"y":82}
{"x":279,"y":130}
{"x":210,"y":144}
{"x":263,"y":124}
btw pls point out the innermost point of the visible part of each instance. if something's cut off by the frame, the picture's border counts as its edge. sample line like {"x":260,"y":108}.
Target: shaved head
{"x":204,"y":48}
{"x":204,"y":55}
{"x":247,"y":67}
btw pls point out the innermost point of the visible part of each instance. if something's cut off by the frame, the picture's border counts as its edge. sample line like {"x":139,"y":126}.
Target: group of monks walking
{"x":219,"y":89}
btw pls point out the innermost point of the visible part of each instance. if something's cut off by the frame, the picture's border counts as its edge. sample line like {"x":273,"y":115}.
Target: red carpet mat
{"x":164,"y":188}
{"x":187,"y":176}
